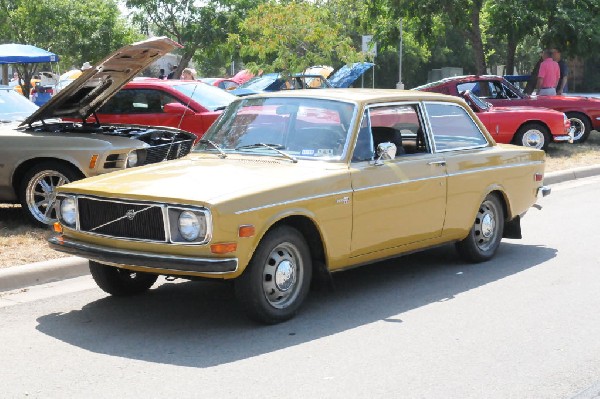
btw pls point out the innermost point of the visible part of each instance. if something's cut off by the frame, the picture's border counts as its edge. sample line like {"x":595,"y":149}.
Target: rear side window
{"x":452,"y":127}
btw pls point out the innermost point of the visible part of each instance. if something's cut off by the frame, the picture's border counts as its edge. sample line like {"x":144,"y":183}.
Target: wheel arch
{"x":22,"y":169}
{"x":311,"y":233}
{"x":533,"y":121}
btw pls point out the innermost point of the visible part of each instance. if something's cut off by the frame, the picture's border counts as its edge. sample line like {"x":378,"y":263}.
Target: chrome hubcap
{"x":486,"y":227}
{"x":40,"y":194}
{"x":534,"y":139}
{"x":282,"y":274}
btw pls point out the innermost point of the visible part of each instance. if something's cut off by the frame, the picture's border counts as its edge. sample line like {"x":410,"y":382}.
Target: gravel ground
{"x":22,"y":243}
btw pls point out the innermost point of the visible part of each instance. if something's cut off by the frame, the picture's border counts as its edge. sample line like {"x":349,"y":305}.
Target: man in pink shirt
{"x":548,"y":76}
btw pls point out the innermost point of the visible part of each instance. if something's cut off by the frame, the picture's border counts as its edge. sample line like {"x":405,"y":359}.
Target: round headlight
{"x":189,"y":226}
{"x":68,"y":211}
{"x":132,"y":159}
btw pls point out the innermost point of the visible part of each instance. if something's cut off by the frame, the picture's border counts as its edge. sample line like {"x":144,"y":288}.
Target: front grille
{"x":174,"y":150}
{"x":121,"y":219}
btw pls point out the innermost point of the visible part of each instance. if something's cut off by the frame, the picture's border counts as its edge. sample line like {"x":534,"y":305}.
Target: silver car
{"x":41,"y":149}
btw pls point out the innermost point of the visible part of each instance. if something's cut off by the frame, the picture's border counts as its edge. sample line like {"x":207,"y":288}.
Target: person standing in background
{"x":548,"y":76}
{"x":188,"y":74}
{"x":562,"y":86}
{"x":161,"y":74}
{"x":172,"y":73}
{"x":532,"y":82}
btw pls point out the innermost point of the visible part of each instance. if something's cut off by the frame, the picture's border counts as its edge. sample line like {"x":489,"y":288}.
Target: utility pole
{"x":400,"y":85}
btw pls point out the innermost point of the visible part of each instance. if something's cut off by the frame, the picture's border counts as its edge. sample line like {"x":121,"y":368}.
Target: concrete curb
{"x":18,"y":277}
{"x":571,"y":174}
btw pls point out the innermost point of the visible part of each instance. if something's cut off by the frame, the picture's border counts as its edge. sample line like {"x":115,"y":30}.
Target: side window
{"x":144,"y":101}
{"x":452,"y":127}
{"x":399,"y":124}
{"x":473,"y":87}
{"x":363,"y":151}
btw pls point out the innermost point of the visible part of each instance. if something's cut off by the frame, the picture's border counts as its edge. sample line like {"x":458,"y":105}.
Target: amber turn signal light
{"x":93,"y":161}
{"x":57,"y":227}
{"x":223,"y":248}
{"x":246,"y":231}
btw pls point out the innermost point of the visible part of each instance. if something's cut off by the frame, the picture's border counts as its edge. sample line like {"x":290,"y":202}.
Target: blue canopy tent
{"x":24,"y":55}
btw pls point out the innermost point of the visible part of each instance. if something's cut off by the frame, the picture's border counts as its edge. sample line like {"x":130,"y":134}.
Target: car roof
{"x":364,"y":95}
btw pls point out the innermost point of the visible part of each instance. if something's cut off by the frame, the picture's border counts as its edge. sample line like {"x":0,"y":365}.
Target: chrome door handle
{"x":439,"y":163}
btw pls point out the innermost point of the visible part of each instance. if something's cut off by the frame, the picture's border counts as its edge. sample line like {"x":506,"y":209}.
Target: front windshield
{"x":299,"y":127}
{"x":14,"y":107}
{"x":479,"y":102}
{"x":210,"y":97}
{"x":259,"y":83}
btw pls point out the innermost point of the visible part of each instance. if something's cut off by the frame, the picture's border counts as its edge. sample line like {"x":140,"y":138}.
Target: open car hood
{"x":348,"y":74}
{"x":97,"y":85}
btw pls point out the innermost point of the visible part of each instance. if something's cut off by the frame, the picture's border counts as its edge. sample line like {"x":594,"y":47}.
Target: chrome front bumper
{"x":116,"y":257}
{"x":544,"y":190}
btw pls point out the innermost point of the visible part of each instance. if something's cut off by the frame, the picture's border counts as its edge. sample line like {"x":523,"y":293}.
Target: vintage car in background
{"x":534,"y":127}
{"x":221,"y":83}
{"x":342,"y":78}
{"x":287,"y":187}
{"x":183,"y":104}
{"x":583,"y":112}
{"x":44,"y":152}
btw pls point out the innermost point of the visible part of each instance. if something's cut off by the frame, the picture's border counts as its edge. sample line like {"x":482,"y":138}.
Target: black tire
{"x":37,"y":192}
{"x":581,"y":126}
{"x":485,"y":235}
{"x":533,"y":135}
{"x":121,"y":282}
{"x":277,"y":279}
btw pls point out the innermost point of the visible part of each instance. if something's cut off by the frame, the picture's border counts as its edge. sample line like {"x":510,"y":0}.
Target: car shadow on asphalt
{"x":198,"y":324}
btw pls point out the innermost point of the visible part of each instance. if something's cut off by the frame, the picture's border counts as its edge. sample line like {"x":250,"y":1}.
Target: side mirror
{"x":385,"y":151}
{"x":177,"y":109}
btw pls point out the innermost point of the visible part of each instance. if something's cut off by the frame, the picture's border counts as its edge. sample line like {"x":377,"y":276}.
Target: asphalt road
{"x":524,"y":325}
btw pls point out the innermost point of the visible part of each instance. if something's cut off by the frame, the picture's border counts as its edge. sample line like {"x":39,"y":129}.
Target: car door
{"x":469,"y":159}
{"x":396,"y":201}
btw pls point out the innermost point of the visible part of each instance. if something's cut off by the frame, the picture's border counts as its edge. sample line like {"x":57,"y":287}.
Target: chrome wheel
{"x":282,"y":275}
{"x":577,"y":128}
{"x":40,"y":194}
{"x":533,"y":138}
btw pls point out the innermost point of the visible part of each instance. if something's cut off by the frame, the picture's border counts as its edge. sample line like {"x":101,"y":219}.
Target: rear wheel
{"x":277,"y":279}
{"x":485,"y":235}
{"x":533,"y":135}
{"x":121,"y":282}
{"x":580,"y":125}
{"x":37,"y":193}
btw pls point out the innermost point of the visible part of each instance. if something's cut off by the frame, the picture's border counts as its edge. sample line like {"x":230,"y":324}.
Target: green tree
{"x":198,"y":26}
{"x":76,"y":31}
{"x":292,"y":36}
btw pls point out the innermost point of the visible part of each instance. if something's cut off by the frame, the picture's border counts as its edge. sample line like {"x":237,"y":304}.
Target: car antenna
{"x":187,"y":106}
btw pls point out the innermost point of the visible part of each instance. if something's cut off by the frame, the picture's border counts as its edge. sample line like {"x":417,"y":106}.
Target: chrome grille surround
{"x":132,"y":220}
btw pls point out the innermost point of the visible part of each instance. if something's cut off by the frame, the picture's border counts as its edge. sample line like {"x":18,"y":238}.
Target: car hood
{"x":209,"y":180}
{"x":98,"y":84}
{"x":348,"y":74}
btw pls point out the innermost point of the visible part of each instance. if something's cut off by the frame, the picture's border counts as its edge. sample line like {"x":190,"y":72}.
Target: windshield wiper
{"x":274,"y":147}
{"x":221,"y":108}
{"x":221,"y":152}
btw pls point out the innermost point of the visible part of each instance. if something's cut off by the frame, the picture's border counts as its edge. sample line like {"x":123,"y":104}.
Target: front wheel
{"x":485,"y":235}
{"x":38,"y":189}
{"x":121,"y":282}
{"x":580,"y":126}
{"x":277,"y":279}
{"x":533,"y":135}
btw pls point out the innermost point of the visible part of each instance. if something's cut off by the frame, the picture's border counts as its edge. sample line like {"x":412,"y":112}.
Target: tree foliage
{"x":198,"y":26}
{"x":76,"y":31}
{"x":292,"y":36}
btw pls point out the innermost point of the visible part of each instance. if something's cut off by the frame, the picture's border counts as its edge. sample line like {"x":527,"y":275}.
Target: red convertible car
{"x":527,"y":126}
{"x":188,"y":105}
{"x":583,"y":112}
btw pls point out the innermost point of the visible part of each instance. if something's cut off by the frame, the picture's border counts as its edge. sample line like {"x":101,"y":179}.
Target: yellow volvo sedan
{"x":288,"y":187}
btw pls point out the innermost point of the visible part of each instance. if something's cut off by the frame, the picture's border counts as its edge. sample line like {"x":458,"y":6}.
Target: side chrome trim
{"x":516,"y":165}
{"x":398,"y":183}
{"x":292,"y":201}
{"x":123,"y":257}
